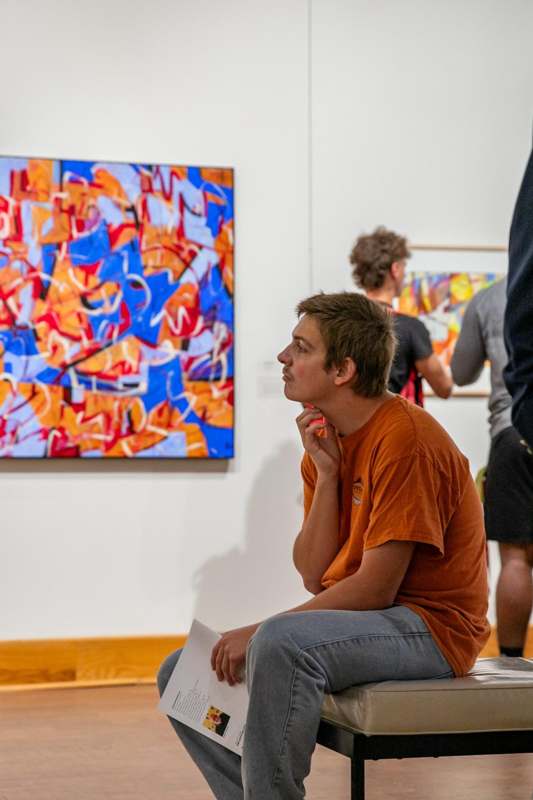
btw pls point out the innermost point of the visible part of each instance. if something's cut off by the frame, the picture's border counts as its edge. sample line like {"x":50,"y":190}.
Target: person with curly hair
{"x":379,"y":260}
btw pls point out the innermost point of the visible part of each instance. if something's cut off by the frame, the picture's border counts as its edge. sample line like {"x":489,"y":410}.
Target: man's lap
{"x":349,"y":647}
{"x":353,"y":647}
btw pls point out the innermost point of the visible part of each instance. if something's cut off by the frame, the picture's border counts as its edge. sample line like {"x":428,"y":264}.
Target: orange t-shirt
{"x":403,"y":479}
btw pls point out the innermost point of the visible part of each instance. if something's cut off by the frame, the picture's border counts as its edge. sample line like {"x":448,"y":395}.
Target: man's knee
{"x":166,"y":669}
{"x":273,"y":637}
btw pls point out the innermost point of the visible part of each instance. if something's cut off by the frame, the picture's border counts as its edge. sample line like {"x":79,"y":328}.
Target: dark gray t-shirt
{"x":481,"y":338}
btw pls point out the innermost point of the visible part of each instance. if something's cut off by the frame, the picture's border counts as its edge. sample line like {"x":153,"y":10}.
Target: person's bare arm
{"x":436,"y":375}
{"x":316,"y":545}
{"x":374,"y":586}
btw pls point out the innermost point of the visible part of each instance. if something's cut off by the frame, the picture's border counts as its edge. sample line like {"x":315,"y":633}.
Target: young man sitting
{"x":392,"y":547}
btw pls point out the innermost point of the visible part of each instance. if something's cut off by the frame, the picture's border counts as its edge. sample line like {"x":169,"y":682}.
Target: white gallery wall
{"x":421,"y":120}
{"x":336,"y":116}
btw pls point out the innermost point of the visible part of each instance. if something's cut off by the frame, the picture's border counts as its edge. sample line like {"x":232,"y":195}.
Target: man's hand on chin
{"x":229,"y":654}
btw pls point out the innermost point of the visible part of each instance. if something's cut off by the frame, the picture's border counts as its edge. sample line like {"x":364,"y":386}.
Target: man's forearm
{"x":351,"y":594}
{"x":317,"y":543}
{"x":375,"y":585}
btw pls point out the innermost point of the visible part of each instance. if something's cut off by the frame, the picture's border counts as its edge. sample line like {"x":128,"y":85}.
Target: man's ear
{"x":395,"y":269}
{"x":345,"y":372}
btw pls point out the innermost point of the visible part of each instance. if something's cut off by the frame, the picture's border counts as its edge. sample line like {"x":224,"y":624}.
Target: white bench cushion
{"x":497,"y":695}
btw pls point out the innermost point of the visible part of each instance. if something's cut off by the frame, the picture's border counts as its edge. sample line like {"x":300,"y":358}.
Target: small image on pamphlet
{"x":195,"y":697}
{"x":216,"y":721}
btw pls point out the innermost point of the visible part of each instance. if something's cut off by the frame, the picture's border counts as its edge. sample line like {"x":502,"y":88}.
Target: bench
{"x":490,"y":711}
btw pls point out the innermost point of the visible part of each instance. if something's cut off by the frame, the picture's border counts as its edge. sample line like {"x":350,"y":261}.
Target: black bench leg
{"x":358,"y":778}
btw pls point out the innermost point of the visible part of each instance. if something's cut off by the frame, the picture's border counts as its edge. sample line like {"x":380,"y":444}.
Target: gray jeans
{"x":292,"y":660}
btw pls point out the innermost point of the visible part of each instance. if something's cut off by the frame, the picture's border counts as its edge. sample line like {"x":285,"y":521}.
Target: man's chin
{"x":289,"y":394}
{"x":293,"y":395}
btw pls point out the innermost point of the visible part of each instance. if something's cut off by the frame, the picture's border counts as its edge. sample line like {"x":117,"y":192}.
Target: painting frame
{"x":193,"y":231}
{"x":453,"y":261}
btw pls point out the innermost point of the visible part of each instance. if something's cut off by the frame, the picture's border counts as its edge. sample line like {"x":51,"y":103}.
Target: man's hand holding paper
{"x":229,"y":654}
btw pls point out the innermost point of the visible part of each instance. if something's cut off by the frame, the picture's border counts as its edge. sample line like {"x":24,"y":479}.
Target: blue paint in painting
{"x":219,"y":441}
{"x":226,"y":195}
{"x":48,"y":376}
{"x":7,"y":166}
{"x":49,"y":259}
{"x":195,"y":176}
{"x":209,"y":371}
{"x":192,"y":197}
{"x":143,"y":319}
{"x":26,"y":305}
{"x":81,"y":169}
{"x":34,"y":447}
{"x":56,"y":171}
{"x":165,"y":383}
{"x":47,"y":226}
{"x":34,"y":255}
{"x":30,"y":367}
{"x":110,"y":211}
{"x":26,"y":214}
{"x":90,"y":248}
{"x":228,"y":210}
{"x":116,"y":265}
{"x":215,"y":301}
{"x":215,"y":216}
{"x":158,"y":211}
{"x":196,"y":229}
{"x":174,"y":446}
{"x":19,"y":341}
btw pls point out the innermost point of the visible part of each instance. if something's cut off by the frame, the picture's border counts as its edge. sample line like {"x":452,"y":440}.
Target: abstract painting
{"x":439,"y":300}
{"x":116,"y":310}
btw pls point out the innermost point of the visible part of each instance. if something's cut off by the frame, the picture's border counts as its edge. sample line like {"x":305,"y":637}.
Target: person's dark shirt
{"x":414,"y":343}
{"x":518,"y":325}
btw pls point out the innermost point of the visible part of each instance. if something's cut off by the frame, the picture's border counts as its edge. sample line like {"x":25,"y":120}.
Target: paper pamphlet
{"x":196,"y":697}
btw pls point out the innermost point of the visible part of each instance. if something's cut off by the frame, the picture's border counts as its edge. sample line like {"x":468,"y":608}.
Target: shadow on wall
{"x":246,"y":585}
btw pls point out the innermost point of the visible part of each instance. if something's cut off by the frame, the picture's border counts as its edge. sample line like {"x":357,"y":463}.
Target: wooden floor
{"x":111,"y":744}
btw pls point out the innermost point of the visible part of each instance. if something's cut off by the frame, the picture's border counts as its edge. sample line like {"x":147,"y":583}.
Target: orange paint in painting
{"x":224,"y":177}
{"x":122,"y":358}
{"x":180,"y":317}
{"x":40,"y":179}
{"x":211,"y":402}
{"x":440,"y":300}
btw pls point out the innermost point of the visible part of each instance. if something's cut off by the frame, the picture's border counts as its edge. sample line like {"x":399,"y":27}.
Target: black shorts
{"x":509,"y":490}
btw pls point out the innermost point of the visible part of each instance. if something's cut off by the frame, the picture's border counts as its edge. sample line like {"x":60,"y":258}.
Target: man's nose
{"x":282,"y":357}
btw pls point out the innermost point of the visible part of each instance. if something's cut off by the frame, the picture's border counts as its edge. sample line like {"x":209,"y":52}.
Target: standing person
{"x":508,"y":500}
{"x":379,"y":260}
{"x":518,"y":373}
{"x":392,"y":548}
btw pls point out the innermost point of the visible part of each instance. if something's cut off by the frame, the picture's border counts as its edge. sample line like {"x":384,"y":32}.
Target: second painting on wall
{"x":438,"y":296}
